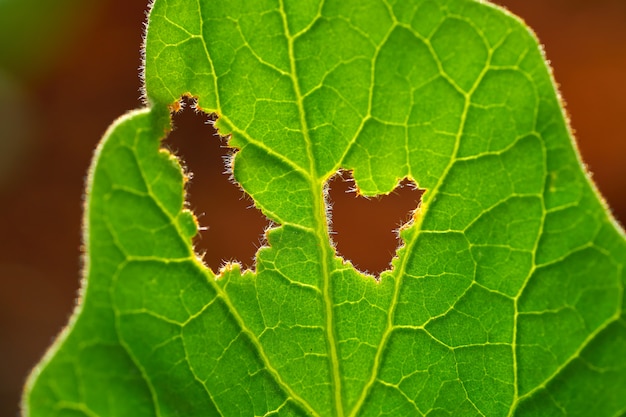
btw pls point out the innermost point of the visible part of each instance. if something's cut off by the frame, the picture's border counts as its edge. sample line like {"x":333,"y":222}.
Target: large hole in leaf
{"x":231,"y":228}
{"x":365,"y":230}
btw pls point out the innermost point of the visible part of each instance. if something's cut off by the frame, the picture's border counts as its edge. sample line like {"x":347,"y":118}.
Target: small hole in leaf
{"x":365,"y":230}
{"x":231,"y":229}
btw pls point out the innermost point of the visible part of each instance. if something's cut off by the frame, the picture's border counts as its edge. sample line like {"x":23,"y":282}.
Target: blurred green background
{"x":68,"y":68}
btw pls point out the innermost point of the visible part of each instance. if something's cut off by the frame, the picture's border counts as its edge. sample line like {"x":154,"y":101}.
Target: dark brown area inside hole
{"x":231,"y":228}
{"x":365,"y":229}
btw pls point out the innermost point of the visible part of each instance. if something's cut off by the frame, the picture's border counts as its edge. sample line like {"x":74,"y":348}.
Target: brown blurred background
{"x":68,"y":68}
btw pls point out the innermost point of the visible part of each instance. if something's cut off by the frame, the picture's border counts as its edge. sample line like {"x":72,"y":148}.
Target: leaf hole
{"x":231,"y":228}
{"x":365,"y":229}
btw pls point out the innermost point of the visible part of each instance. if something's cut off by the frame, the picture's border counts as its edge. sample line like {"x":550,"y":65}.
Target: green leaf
{"x":505,"y":298}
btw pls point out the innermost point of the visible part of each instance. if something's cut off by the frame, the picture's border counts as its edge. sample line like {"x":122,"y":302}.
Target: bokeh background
{"x":68,"y":68}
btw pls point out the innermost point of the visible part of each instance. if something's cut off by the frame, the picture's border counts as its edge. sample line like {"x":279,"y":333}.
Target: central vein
{"x":320,"y":225}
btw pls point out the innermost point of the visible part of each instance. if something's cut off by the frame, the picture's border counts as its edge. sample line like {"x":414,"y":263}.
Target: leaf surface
{"x":505,"y":298}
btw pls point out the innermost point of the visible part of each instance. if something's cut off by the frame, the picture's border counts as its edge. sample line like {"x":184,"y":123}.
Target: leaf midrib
{"x":320,"y":221}
{"x":211,"y":279}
